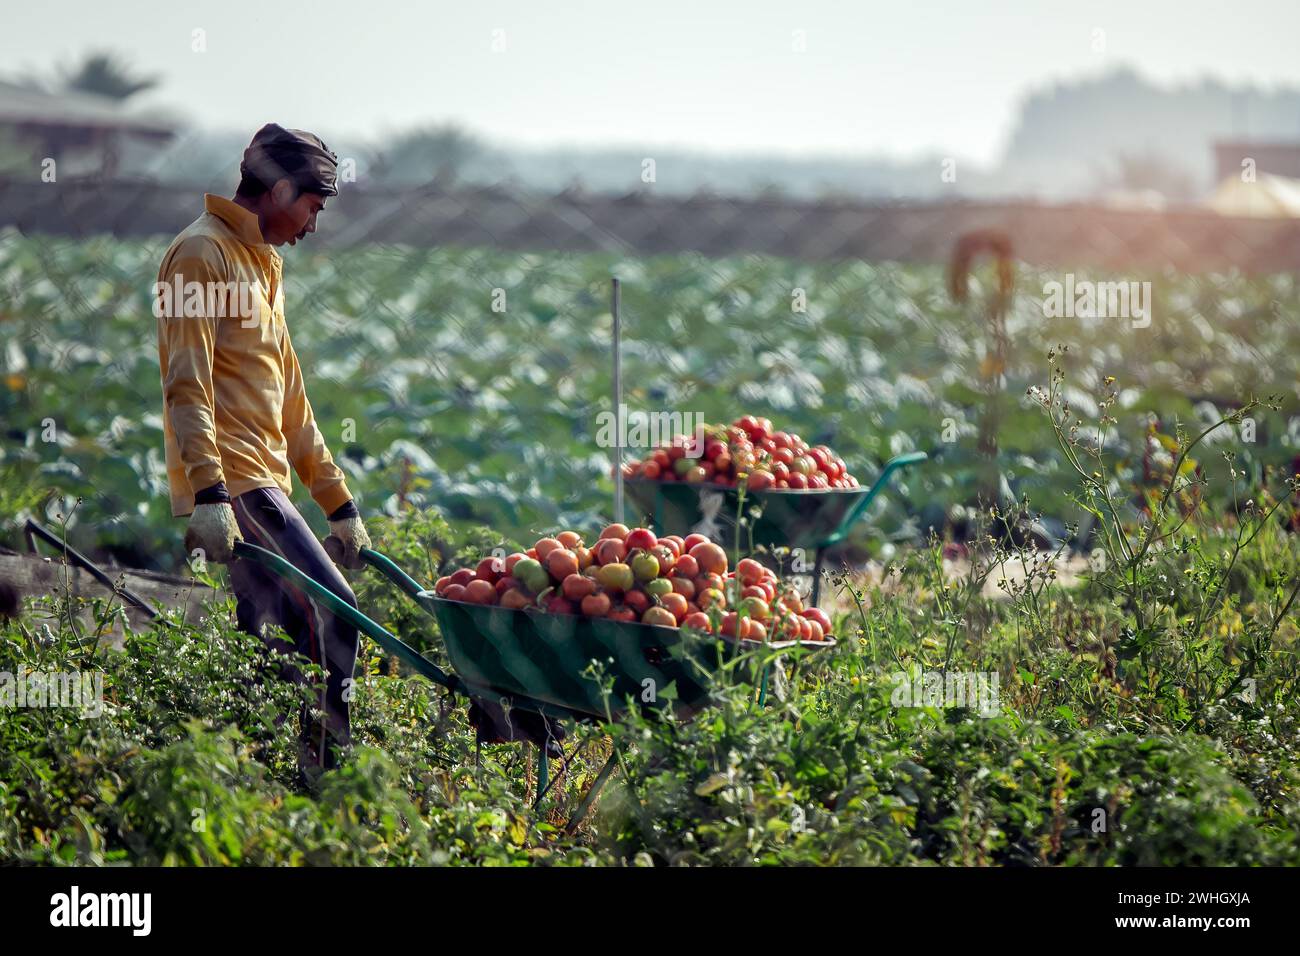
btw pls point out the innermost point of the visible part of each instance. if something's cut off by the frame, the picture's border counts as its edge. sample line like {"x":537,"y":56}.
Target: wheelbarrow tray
{"x":549,"y":658}
{"x":809,"y":518}
{"x":797,"y":518}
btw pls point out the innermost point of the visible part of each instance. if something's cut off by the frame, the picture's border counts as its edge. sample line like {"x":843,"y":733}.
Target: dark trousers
{"x":269,"y":520}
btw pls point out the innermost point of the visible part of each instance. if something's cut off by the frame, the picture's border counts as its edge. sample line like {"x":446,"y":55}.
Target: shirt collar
{"x":242,"y":222}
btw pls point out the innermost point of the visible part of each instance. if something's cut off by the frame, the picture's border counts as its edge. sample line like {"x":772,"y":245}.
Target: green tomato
{"x":645,"y":566}
{"x":534,"y":576}
{"x":658,"y":587}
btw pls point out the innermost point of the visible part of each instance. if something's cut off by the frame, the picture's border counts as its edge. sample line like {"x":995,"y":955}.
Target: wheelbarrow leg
{"x":592,"y":793}
{"x":543,"y":767}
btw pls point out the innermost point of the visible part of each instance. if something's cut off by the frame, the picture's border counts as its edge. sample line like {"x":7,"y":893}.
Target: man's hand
{"x":213,"y":529}
{"x":346,"y":539}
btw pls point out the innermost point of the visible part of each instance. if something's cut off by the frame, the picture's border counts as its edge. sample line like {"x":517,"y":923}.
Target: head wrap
{"x":277,"y":153}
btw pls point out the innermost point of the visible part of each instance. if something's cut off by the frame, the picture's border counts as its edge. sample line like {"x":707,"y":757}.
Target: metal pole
{"x":616,"y":453}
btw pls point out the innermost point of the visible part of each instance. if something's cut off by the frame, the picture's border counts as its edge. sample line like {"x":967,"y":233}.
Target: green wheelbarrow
{"x":806,"y":519}
{"x":557,"y":665}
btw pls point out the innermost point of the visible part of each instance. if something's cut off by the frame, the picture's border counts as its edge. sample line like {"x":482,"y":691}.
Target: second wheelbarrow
{"x":806,"y":519}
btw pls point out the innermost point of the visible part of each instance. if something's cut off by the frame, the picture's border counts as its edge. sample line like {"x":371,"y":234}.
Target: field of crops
{"x":431,"y":397}
{"x":1146,"y":715}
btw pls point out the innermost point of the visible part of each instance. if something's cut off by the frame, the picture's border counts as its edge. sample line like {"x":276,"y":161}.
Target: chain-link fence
{"x":457,"y":344}
{"x":640,"y":223}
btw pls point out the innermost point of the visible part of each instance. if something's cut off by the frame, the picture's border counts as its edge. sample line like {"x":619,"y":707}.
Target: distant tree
{"x":104,"y":74}
{"x":422,"y":155}
{"x":1151,"y":171}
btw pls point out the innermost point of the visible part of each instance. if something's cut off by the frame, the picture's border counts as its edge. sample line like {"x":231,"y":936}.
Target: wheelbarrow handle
{"x":341,"y":608}
{"x":385,"y":566}
{"x":882,"y":480}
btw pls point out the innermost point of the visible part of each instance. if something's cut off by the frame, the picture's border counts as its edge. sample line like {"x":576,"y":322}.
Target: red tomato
{"x":558,"y":604}
{"x":618,"y":531}
{"x":750,"y":571}
{"x":561,"y":563}
{"x":712,"y":559}
{"x":687,"y":567}
{"x":515,"y":599}
{"x":691,"y":541}
{"x":609,"y":551}
{"x":596,"y":605}
{"x":462,"y":577}
{"x":545,"y":546}
{"x":642,"y":538}
{"x":710,"y":580}
{"x":820,"y":616}
{"x":666,"y":558}
{"x":677,"y":604}
{"x":797,"y":480}
{"x":622,"y":613}
{"x":697,"y":621}
{"x":710,"y":597}
{"x":638,"y":601}
{"x":659,"y":616}
{"x":578,"y":586}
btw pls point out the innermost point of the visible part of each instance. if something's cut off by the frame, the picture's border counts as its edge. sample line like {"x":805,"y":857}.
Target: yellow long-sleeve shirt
{"x":234,"y":405}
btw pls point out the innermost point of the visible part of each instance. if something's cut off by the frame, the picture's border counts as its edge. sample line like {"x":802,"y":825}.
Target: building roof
{"x":24,"y":106}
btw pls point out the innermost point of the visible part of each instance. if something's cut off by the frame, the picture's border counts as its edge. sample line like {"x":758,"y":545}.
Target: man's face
{"x":289,"y":215}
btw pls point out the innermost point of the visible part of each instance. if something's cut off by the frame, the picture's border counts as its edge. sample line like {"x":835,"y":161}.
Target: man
{"x":236,"y":416}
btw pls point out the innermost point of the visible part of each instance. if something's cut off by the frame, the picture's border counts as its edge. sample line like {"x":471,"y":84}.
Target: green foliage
{"x":430,"y":398}
{"x":1082,"y":763}
{"x":1147,"y":714}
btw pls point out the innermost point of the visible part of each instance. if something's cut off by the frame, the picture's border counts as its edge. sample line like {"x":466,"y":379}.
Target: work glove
{"x":214,"y":529}
{"x":346,"y":539}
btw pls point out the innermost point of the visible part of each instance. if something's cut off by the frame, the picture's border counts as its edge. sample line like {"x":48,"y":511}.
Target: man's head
{"x":285,"y":177}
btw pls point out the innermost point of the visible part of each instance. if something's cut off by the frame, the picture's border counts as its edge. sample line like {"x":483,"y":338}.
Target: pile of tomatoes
{"x":747,"y":450}
{"x":629,"y":574}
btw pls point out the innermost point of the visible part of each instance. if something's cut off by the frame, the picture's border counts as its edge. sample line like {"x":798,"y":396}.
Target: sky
{"x":900,"y":79}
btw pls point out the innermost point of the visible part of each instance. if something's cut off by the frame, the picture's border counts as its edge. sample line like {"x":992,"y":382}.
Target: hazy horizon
{"x":723,"y":80}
